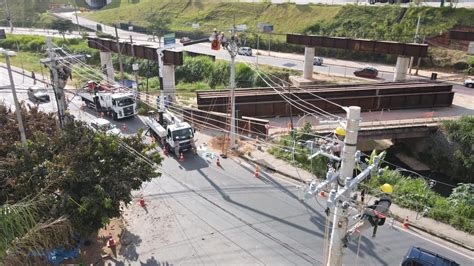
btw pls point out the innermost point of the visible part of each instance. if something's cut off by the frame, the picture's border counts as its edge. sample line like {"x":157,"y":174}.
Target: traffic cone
{"x":218,"y":162}
{"x":142,"y":202}
{"x":257,"y":172}
{"x":124,"y":128}
{"x":322,"y":194}
{"x":405,"y":223}
{"x":181,"y":158}
{"x":111,"y":242}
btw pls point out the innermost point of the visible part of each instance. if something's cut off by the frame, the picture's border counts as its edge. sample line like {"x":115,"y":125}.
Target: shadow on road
{"x":129,"y":242}
{"x":226,"y":197}
{"x":153,"y":262}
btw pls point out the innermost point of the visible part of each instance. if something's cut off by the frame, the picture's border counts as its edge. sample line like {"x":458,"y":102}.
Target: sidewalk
{"x":428,"y":225}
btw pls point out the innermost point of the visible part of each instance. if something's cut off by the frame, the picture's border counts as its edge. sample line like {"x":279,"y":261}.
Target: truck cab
{"x":180,"y":137}
{"x":123,"y":105}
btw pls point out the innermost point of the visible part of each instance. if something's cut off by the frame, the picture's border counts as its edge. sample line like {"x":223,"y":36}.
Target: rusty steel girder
{"x":141,"y":51}
{"x":361,"y":45}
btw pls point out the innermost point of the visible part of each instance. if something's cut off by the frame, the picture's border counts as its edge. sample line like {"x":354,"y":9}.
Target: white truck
{"x":111,"y":101}
{"x":175,"y":135}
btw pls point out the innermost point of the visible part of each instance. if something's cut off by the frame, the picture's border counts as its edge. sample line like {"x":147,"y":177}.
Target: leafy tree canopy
{"x":82,"y":175}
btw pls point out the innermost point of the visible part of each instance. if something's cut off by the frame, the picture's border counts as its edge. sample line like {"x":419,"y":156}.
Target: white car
{"x":245,"y":51}
{"x":469,"y":83}
{"x":103,"y":125}
{"x":38,"y":94}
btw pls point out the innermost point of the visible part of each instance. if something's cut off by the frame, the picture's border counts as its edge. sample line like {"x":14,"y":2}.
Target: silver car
{"x":245,"y":51}
{"x":469,"y":83}
{"x":38,"y":94}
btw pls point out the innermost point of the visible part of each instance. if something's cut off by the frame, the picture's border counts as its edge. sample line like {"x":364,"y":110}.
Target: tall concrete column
{"x":106,"y":63}
{"x":169,"y":84}
{"x":401,"y":69}
{"x":308,"y":62}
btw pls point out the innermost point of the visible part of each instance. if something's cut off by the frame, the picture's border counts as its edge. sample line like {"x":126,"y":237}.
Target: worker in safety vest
{"x":373,"y":216}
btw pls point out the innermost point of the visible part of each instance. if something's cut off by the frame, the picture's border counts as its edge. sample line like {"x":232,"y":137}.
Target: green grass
{"x":27,"y":60}
{"x":211,"y":14}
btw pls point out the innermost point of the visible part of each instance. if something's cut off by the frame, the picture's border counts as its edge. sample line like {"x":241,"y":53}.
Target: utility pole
{"x":59,"y":75}
{"x":415,"y":40}
{"x":8,"y":15}
{"x":119,"y":53}
{"x":77,"y":19}
{"x":135,"y":65}
{"x":15,"y":98}
{"x":59,"y":95}
{"x":232,"y":48}
{"x":340,"y":220}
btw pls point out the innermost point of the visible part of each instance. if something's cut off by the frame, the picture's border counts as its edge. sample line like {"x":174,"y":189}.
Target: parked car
{"x":367,"y":72}
{"x":38,"y":94}
{"x":469,"y":83}
{"x":318,"y":61}
{"x":103,"y":125}
{"x":184,"y":40}
{"x":245,"y":51}
{"x":417,"y":256}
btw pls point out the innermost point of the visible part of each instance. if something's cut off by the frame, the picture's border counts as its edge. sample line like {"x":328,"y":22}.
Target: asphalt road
{"x":198,"y":213}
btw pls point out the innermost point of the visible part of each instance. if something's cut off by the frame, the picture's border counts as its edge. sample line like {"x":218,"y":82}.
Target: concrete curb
{"x":433,"y":233}
{"x":398,"y":218}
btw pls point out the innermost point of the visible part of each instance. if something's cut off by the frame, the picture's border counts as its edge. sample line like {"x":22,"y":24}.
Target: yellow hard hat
{"x":340,"y":131}
{"x":386,"y":188}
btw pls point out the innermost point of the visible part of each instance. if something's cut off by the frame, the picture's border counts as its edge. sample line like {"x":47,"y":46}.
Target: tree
{"x":82,"y":175}
{"x":23,"y":232}
{"x":62,"y":26}
{"x":159,"y":23}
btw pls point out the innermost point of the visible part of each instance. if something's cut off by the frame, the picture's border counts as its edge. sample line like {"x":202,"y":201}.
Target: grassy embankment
{"x":382,"y":22}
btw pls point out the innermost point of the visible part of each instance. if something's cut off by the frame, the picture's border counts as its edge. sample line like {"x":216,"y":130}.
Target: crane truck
{"x":175,"y":135}
{"x":109,"y":100}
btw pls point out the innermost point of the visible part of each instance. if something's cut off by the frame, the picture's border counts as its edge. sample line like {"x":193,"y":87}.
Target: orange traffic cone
{"x":322,"y":194}
{"x":257,"y":172}
{"x":405,"y":223}
{"x":124,"y":128}
{"x":181,"y":158}
{"x":218,"y":162}
{"x":142,"y":202}
{"x":111,"y":242}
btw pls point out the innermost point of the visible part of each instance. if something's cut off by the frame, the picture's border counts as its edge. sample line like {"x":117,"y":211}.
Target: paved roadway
{"x":198,"y":213}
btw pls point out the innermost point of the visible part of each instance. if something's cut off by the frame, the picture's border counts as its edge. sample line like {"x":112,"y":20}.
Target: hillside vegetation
{"x":216,"y":14}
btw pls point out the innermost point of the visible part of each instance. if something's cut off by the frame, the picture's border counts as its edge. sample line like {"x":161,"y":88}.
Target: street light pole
{"x":340,"y":220}
{"x":15,"y":99}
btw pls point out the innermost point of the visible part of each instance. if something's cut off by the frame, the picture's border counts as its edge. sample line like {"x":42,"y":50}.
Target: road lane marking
{"x":433,"y":242}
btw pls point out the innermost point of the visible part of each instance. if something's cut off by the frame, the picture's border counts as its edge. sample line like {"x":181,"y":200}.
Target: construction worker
{"x":373,"y":216}
{"x":340,"y":133}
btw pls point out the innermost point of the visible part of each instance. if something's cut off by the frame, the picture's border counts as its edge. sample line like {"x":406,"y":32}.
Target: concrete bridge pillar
{"x":401,"y":68}
{"x":308,"y":62}
{"x":107,"y":65}
{"x":169,"y":83}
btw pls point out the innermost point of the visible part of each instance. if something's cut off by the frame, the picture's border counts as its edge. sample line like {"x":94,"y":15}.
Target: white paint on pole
{"x":15,"y":99}
{"x":401,"y":68}
{"x":308,"y":62}
{"x":340,"y":219}
{"x":470,"y":48}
